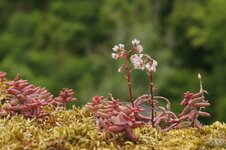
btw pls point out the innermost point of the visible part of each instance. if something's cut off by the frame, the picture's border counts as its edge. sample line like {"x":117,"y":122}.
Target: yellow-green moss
{"x":75,"y":129}
{"x":3,"y":94}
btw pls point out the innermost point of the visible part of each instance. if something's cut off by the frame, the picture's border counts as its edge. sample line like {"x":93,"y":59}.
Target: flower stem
{"x":152,"y":97}
{"x":129,"y":80}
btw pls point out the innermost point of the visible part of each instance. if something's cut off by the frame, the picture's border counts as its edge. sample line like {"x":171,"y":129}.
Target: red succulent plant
{"x":124,"y":123}
{"x":27,"y":99}
{"x":194,"y":104}
{"x":114,"y":117}
{"x":65,"y":96}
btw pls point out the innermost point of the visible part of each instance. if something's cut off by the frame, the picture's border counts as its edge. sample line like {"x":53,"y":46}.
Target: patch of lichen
{"x":76,"y":129}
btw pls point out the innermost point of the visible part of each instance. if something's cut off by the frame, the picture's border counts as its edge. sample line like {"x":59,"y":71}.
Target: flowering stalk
{"x":129,"y":80}
{"x":152,"y":98}
{"x":142,"y":62}
{"x":120,"y":52}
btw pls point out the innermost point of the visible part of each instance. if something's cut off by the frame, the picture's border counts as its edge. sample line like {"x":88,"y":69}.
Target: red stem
{"x":152,"y":97}
{"x":129,"y":80}
{"x":193,"y":119}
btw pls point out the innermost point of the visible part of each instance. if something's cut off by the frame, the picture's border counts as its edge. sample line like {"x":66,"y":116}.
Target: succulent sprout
{"x":65,"y":97}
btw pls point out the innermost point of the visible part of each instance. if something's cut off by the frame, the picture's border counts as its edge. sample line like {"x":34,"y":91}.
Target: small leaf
{"x":204,"y":104}
{"x":115,"y":129}
{"x":184,"y":124}
{"x":130,"y":134}
{"x":203,"y":114}
{"x":192,"y":115}
{"x":117,"y":121}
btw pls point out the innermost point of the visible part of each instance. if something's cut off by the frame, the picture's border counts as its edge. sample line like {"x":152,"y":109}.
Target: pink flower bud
{"x":135,"y":42}
{"x":115,"y":48}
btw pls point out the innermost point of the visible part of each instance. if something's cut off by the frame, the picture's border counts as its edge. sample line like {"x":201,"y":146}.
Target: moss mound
{"x":76,"y":129}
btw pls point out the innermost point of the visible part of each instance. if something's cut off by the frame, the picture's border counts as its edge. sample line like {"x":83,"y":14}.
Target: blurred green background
{"x":68,"y":43}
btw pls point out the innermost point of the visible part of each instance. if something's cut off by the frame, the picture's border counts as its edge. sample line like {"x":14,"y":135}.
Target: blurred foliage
{"x":68,"y":44}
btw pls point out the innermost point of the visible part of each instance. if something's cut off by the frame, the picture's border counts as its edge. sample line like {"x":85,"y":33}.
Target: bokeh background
{"x":68,"y":43}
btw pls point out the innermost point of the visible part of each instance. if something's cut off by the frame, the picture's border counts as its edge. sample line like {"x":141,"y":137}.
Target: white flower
{"x":114,"y":56}
{"x":118,"y":47}
{"x":137,"y":46}
{"x":121,"y":46}
{"x":115,"y":48}
{"x":135,"y":42}
{"x":137,"y":62}
{"x":155,"y":63}
{"x":139,"y":49}
{"x":151,"y":66}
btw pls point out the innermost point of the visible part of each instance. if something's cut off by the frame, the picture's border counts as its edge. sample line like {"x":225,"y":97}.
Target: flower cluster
{"x":119,"y":51}
{"x":27,"y":99}
{"x":136,"y":59}
{"x":151,"y":66}
{"x":137,"y":46}
{"x":138,"y":62}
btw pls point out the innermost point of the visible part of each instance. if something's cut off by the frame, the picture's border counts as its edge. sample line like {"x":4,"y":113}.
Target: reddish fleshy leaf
{"x":192,"y":115}
{"x":115,"y":129}
{"x":130,"y":134}
{"x":203,"y":114}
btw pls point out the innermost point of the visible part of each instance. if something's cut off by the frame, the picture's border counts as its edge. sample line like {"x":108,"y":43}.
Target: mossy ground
{"x":76,"y":129}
